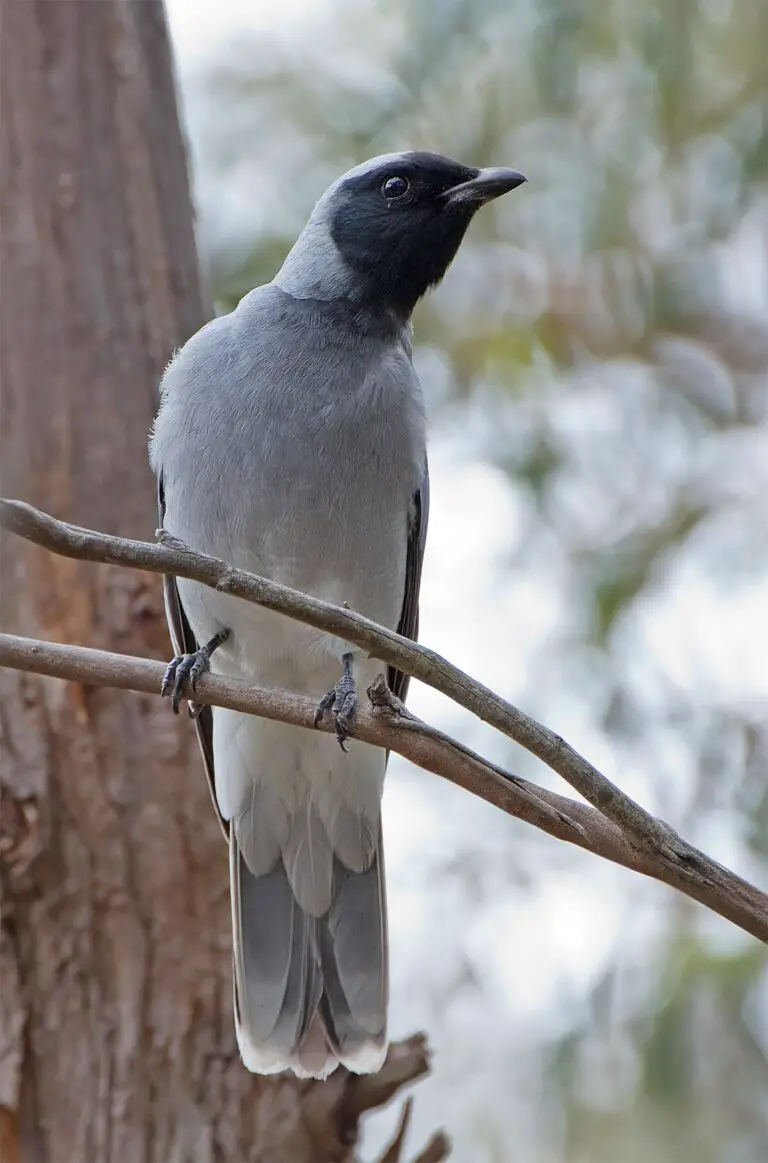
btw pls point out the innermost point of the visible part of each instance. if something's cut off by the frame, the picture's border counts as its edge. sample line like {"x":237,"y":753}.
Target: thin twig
{"x":437,"y":1149}
{"x":386,"y":724}
{"x":406,"y":1062}
{"x":393,"y":1152}
{"x":173,"y":557}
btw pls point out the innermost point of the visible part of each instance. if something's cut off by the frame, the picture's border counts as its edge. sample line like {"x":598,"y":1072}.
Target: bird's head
{"x":388,"y":230}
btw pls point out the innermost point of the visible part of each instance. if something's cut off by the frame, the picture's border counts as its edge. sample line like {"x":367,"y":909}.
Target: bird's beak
{"x":484,"y":187}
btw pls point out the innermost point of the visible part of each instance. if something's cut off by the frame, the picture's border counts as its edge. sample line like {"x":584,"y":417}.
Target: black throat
{"x":394,"y":276}
{"x":398,"y":252}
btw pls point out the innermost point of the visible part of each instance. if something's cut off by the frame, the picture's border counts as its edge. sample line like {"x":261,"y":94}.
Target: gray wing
{"x":184,"y":642}
{"x":408,"y":625}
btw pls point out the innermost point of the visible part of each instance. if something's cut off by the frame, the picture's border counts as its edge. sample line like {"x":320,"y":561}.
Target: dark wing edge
{"x":408,"y":625}
{"x":184,"y":642}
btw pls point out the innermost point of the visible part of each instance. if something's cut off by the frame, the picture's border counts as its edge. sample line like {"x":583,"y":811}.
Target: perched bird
{"x":290,"y":441}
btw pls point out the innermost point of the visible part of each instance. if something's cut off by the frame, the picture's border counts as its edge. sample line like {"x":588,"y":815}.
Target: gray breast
{"x":303,"y":443}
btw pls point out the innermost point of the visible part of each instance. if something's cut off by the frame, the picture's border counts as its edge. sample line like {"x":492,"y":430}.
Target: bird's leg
{"x":340,"y":700}
{"x":187,"y":669}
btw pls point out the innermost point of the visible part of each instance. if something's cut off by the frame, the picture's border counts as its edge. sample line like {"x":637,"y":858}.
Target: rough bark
{"x":116,"y":1038}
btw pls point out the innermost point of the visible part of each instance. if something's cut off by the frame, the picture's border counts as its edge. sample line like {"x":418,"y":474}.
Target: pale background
{"x":595,"y":369}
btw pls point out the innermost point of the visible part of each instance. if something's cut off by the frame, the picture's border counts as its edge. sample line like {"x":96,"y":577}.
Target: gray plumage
{"x":291,"y":442}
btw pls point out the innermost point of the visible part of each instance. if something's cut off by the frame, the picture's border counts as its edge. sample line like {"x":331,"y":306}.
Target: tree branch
{"x":173,"y":557}
{"x":387,"y":724}
{"x":437,"y":1149}
{"x":406,"y":1062}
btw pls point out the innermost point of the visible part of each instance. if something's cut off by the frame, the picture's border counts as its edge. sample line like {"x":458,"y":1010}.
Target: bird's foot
{"x":341,"y":701}
{"x":185,"y":670}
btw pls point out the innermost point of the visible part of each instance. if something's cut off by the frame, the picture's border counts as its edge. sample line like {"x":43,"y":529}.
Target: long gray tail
{"x":310,"y":992}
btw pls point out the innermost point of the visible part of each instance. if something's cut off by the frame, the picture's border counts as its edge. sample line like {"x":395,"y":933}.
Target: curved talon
{"x":326,"y":701}
{"x":167,"y":684}
{"x":340,"y":700}
{"x":186,"y":670}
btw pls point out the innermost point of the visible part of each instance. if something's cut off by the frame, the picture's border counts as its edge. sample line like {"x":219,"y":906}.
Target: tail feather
{"x":269,"y":940}
{"x":310,"y":992}
{"x":308,"y":861}
{"x":353,"y":944}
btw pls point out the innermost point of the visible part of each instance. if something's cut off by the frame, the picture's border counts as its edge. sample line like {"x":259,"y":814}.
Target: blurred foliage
{"x":605,"y":332}
{"x":687,"y":1053}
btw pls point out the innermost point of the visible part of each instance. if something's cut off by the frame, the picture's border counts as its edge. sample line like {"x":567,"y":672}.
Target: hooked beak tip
{"x":485,"y":186}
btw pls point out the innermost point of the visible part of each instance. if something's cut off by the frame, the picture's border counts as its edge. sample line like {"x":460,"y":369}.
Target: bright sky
{"x":200,"y":27}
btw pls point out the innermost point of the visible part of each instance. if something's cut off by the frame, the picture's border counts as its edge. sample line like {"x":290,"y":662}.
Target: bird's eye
{"x":395,"y":188}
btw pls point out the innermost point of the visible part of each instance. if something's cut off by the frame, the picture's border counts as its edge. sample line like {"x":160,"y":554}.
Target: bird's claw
{"x":185,"y":671}
{"x":341,"y":700}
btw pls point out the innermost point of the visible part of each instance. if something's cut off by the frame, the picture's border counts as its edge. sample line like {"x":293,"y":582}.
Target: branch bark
{"x":173,"y":557}
{"x":386,"y":723}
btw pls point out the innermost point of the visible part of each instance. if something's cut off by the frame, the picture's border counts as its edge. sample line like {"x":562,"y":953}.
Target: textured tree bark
{"x":116,"y":1033}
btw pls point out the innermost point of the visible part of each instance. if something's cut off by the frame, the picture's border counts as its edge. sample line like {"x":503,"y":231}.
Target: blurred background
{"x":595,"y":370}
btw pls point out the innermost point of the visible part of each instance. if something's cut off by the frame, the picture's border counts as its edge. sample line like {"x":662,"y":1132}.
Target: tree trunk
{"x":116,"y":1032}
